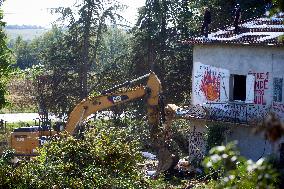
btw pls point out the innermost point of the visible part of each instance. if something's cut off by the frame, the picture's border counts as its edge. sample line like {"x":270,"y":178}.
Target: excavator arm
{"x":25,"y":140}
{"x":109,"y":99}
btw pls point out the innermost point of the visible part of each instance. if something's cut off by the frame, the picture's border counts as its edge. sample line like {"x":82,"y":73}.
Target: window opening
{"x":239,"y":87}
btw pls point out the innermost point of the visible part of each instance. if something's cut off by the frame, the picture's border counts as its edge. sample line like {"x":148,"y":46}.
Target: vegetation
{"x":216,"y":135}
{"x":278,"y":6}
{"x":228,"y":169}
{"x":105,"y":158}
{"x":5,"y":60}
{"x":92,"y":53}
{"x":90,"y":56}
{"x":281,"y":39}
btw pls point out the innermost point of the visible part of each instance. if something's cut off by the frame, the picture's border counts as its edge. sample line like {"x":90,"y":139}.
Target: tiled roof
{"x":262,"y":31}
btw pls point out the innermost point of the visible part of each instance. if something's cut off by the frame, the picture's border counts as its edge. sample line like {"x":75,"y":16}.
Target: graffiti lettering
{"x":260,"y":87}
{"x":261,"y":84}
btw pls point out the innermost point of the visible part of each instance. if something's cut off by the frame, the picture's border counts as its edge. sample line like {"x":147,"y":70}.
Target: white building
{"x":238,"y":79}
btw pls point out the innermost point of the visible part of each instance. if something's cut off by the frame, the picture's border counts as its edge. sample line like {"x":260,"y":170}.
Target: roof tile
{"x":258,"y":31}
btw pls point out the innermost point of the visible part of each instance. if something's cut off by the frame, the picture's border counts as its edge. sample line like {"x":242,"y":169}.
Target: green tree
{"x":25,"y":53}
{"x":86,"y":33}
{"x":161,"y":26}
{"x":278,"y":6}
{"x":113,"y":59}
{"x":5,"y":66}
{"x":59,"y":85}
{"x":72,"y":56}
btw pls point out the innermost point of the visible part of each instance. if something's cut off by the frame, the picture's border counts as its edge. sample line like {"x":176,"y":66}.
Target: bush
{"x":281,"y":39}
{"x":215,"y":135}
{"x":103,"y":159}
{"x":227,"y":169}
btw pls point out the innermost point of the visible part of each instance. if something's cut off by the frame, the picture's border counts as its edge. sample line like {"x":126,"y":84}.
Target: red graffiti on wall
{"x":210,"y":86}
{"x":260,"y":87}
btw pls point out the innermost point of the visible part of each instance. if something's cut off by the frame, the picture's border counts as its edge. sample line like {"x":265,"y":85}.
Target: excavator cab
{"x":26,"y":140}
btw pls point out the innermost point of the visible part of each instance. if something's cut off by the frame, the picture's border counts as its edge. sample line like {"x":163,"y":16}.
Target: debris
{"x":149,"y":155}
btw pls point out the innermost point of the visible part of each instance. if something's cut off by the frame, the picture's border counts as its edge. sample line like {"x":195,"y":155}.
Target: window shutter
{"x":250,"y":88}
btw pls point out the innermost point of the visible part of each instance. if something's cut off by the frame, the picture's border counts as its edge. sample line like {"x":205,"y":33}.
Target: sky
{"x":34,"y":12}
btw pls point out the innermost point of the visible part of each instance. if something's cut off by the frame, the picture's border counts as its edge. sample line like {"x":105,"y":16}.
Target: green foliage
{"x":113,"y":63}
{"x":174,"y":183}
{"x":31,"y":72}
{"x":215,"y":135}
{"x":6,"y":157}
{"x":160,"y":28}
{"x":10,"y":177}
{"x":278,"y":6}
{"x":102,"y":160}
{"x":5,"y":66}
{"x":25,"y":53}
{"x":281,"y":39}
{"x":105,"y":158}
{"x":87,"y":23}
{"x":230,"y":170}
{"x":180,"y":143}
{"x":58,"y":87}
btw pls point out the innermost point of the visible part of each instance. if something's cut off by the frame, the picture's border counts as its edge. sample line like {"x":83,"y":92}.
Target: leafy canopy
{"x":5,"y":63}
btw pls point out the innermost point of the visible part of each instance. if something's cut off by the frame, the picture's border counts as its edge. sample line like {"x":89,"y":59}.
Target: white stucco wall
{"x":264,"y":63}
{"x":217,"y":63}
{"x":242,"y":60}
{"x":252,"y":146}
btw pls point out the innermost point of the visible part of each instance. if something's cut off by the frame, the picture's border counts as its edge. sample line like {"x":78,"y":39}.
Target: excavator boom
{"x":26,"y":140}
{"x":109,"y":99}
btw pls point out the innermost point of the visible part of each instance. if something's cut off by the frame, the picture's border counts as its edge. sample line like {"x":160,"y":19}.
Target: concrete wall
{"x":252,"y":146}
{"x":213,"y":66}
{"x":264,"y":63}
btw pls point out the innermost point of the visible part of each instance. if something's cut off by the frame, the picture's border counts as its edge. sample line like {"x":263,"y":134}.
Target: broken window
{"x":277,"y":89}
{"x":242,"y":88}
{"x":238,"y":83}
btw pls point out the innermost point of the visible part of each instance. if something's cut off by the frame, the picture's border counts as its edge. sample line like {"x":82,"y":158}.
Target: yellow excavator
{"x":26,"y":140}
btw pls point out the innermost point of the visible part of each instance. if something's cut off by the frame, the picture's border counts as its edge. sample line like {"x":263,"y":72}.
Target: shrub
{"x":228,"y":169}
{"x":281,"y":39}
{"x":105,"y":158}
{"x":215,"y":135}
